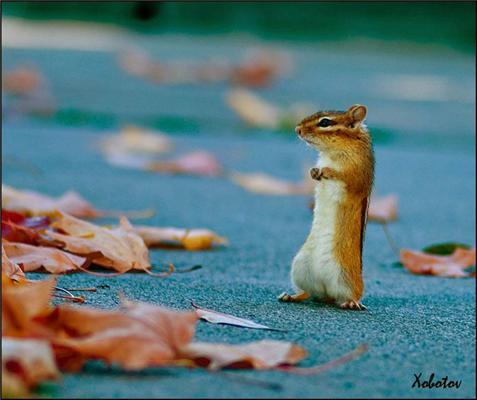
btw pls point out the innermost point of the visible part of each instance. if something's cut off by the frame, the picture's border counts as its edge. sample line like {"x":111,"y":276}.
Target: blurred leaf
{"x":444,"y":249}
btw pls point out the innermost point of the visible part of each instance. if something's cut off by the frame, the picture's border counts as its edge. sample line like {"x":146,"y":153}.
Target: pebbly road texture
{"x":414,"y":324}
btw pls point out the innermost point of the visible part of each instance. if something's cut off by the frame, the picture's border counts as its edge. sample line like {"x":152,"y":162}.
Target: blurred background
{"x":106,"y":64}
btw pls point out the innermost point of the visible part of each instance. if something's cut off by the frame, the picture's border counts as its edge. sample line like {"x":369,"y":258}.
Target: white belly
{"x":315,"y":269}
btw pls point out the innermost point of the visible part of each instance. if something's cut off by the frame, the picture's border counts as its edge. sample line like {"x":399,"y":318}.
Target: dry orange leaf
{"x":34,"y":257}
{"x":136,"y":140}
{"x":383,"y":209}
{"x":453,"y":266}
{"x":263,"y":354}
{"x":121,"y":248}
{"x":194,"y":163}
{"x":25,"y":363}
{"x":266,"y":184}
{"x":189,"y":239}
{"x":33,"y":203}
{"x":141,"y":336}
{"x":10,"y":268}
{"x":21,"y":304}
{"x":21,"y":81}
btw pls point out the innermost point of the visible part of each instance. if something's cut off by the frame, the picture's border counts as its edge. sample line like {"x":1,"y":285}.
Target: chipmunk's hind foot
{"x":293,"y":298}
{"x":353,"y":305}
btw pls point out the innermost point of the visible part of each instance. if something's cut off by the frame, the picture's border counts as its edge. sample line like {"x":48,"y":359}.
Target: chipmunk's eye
{"x":325,"y":122}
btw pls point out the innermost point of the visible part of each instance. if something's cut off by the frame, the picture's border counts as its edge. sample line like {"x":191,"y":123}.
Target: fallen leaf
{"x":21,"y":81}
{"x":25,"y":363}
{"x":143,"y":335}
{"x":189,"y":239}
{"x":215,"y":317}
{"x":121,"y":248}
{"x":18,"y":228}
{"x":452,"y":266}
{"x":194,"y":163}
{"x":33,"y":203}
{"x":444,"y":249}
{"x":383,"y":209}
{"x":254,"y":110}
{"x":32,"y":258}
{"x":257,"y":112}
{"x":22,"y":304}
{"x":10,"y":268}
{"x":134,"y":140}
{"x":264,"y":354}
{"x":266,"y":184}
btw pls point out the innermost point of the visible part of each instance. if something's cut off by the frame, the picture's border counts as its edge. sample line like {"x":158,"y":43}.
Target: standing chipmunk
{"x":329,"y":265}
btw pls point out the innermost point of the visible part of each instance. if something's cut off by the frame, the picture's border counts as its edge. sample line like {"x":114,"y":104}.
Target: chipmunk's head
{"x":335,"y":130}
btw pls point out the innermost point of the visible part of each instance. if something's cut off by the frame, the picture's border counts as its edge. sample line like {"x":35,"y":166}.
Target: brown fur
{"x":347,"y":143}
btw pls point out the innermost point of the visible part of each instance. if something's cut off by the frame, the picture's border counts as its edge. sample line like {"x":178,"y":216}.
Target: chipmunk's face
{"x":334,"y":130}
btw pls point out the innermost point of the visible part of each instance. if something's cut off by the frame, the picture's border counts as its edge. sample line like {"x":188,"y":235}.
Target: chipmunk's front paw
{"x":315,"y":173}
{"x":293,"y":298}
{"x":353,"y":305}
{"x":322,"y":173}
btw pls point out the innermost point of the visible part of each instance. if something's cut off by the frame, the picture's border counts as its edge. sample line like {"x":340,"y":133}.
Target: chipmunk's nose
{"x":297,"y":130}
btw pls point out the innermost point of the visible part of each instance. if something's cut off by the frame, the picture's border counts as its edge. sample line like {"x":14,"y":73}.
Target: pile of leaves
{"x":39,"y":339}
{"x":38,"y":233}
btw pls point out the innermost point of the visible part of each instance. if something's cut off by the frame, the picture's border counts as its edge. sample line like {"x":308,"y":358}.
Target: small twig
{"x":161,"y":274}
{"x":88,"y":289}
{"x":363,"y":348}
{"x":390,"y":239}
{"x":71,"y":296}
{"x":193,"y":268}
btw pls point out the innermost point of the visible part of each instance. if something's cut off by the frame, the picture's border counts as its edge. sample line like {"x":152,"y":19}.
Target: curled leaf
{"x":194,"y":163}
{"x":189,"y":239}
{"x":121,"y":248}
{"x":144,"y":335}
{"x":33,"y":203}
{"x":10,"y":269}
{"x":25,"y":363}
{"x":452,"y":266}
{"x":264,"y":354}
{"x":32,"y":258}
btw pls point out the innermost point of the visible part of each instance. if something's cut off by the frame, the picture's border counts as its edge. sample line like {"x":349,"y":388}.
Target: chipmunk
{"x":329,"y":265}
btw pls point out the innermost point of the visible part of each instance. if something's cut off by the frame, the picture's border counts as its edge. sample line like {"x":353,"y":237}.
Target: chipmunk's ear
{"x":357,"y":112}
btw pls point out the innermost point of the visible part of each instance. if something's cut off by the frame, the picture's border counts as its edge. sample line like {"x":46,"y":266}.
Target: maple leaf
{"x":25,"y":363}
{"x":264,"y":354}
{"x":30,"y":203}
{"x":121,"y":248}
{"x":189,"y":239}
{"x":194,"y":163}
{"x":10,"y":269}
{"x":141,"y":336}
{"x":53,"y":260}
{"x":452,"y":266}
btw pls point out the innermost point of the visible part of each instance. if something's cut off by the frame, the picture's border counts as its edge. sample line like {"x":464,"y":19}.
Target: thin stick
{"x":249,"y":381}
{"x":88,"y":289}
{"x":390,"y":239}
{"x":161,"y":274}
{"x":330,"y":364}
{"x":71,"y":296}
